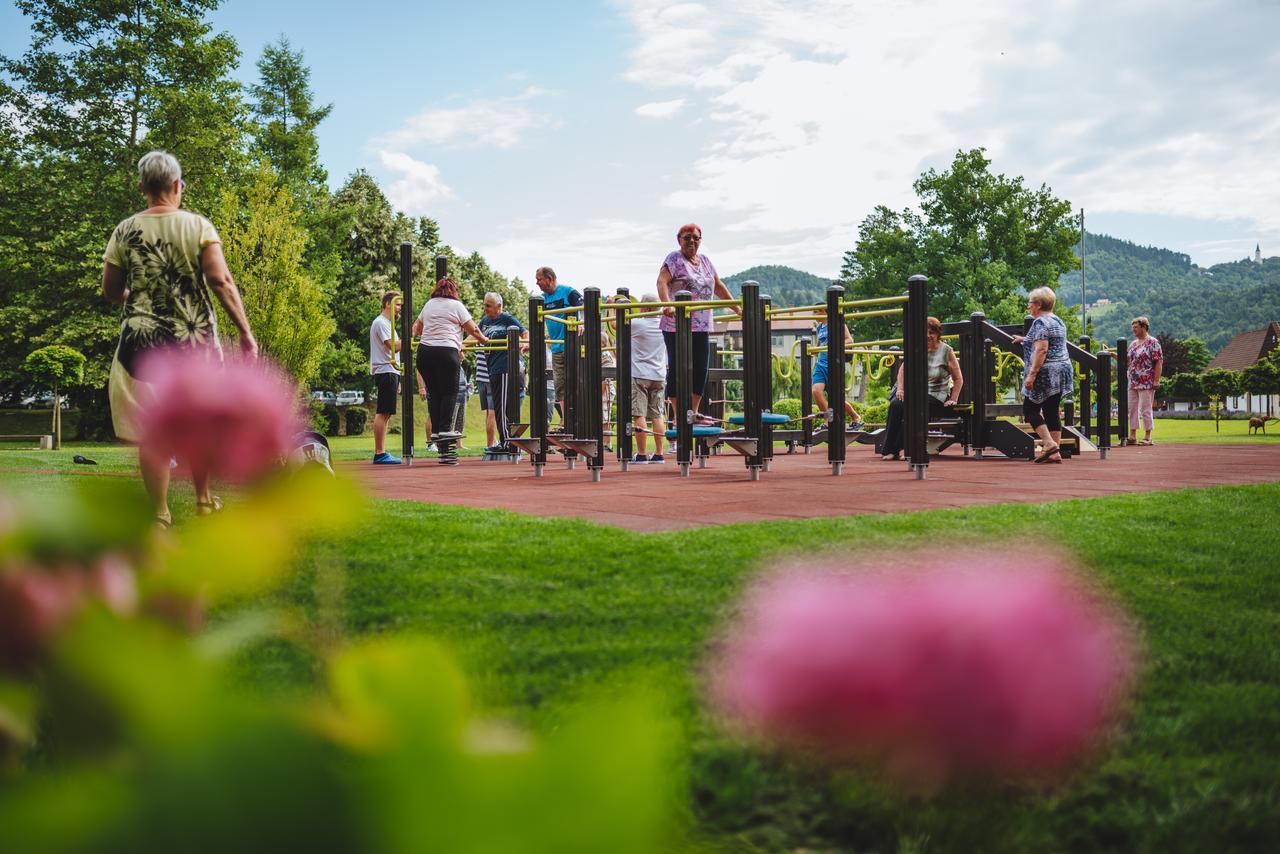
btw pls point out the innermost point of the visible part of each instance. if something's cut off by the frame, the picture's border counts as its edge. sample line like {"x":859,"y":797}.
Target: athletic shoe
{"x":858,"y":426}
{"x":496,"y":449}
{"x":448,"y":434}
{"x":656,"y":459}
{"x":385,"y":459}
{"x":701,"y":420}
{"x":639,"y":460}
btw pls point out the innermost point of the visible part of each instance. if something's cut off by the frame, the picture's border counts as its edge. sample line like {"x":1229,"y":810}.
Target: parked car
{"x":349,"y":398}
{"x":326,"y":397}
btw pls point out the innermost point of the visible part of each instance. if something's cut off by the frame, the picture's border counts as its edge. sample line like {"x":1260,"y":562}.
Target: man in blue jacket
{"x":556,"y":296}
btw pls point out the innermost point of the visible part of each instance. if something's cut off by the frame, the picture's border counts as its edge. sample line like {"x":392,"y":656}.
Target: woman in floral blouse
{"x":1146,"y":360}
{"x":161,"y":263}
{"x":1048,"y":375}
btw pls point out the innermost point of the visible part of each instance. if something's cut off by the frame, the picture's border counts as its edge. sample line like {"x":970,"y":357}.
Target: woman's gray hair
{"x":495,"y":296}
{"x":1044,"y":297}
{"x":1142,"y":321}
{"x":157,"y":170}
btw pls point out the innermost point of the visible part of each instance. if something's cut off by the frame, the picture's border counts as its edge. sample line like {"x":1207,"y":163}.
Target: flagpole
{"x":1084,"y":327}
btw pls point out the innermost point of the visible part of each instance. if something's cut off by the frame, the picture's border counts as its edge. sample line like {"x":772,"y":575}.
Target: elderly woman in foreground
{"x":162,"y":263}
{"x":1048,"y":374}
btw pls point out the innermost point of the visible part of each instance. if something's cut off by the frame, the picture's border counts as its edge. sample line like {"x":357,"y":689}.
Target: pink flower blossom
{"x":233,"y":419}
{"x":976,"y":664}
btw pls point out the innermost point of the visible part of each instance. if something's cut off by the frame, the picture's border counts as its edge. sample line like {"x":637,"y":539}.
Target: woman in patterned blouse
{"x":1048,"y":375}
{"x":1146,"y":360}
{"x":162,"y":263}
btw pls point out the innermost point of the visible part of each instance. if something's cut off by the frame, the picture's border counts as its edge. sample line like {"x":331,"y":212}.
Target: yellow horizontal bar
{"x":568,"y":309}
{"x":796,"y":308}
{"x":845,"y":303}
{"x":882,"y":313}
{"x":806,"y":317}
{"x":876,"y":343}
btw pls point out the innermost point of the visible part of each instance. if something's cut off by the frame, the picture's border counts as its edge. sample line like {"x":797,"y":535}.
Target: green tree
{"x":345,"y":365}
{"x":1182,"y":386}
{"x":99,"y":85}
{"x":263,"y":244}
{"x":1220,"y":384}
{"x":982,"y":239}
{"x":1261,"y":379}
{"x":286,"y":134}
{"x":55,"y":367}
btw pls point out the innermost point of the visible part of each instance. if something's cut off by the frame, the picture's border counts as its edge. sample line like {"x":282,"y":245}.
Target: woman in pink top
{"x":1146,"y":360}
{"x":689,"y":270}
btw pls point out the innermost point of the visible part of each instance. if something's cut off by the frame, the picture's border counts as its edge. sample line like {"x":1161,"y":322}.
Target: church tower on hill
{"x":1257,"y":253}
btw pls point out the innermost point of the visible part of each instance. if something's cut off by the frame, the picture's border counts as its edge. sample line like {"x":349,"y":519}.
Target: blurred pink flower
{"x":976,"y":664}
{"x":38,"y":602}
{"x":232,"y":418}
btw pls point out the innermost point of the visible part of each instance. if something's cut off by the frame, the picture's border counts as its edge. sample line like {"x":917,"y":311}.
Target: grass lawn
{"x":544,"y":611}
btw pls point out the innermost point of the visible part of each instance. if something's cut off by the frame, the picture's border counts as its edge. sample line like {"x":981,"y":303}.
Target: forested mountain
{"x":1213,"y":304}
{"x":787,"y":285}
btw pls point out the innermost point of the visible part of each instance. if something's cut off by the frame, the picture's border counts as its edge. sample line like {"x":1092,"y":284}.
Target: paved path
{"x":656,"y":498}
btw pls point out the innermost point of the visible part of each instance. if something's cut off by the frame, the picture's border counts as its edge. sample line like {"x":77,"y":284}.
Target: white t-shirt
{"x":381,"y":359}
{"x":648,"y":350}
{"x":442,"y":321}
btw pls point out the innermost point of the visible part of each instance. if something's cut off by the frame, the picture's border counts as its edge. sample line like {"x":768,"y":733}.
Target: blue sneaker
{"x":656,"y":459}
{"x":385,"y":459}
{"x":639,"y":460}
{"x":858,"y":426}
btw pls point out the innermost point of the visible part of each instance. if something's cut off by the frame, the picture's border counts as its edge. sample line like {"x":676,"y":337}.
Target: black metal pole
{"x":806,"y":395}
{"x":765,"y":444}
{"x":684,"y":384}
{"x":512,"y":403}
{"x":1122,"y":392}
{"x":538,"y":383}
{"x":592,"y":380}
{"x":752,"y":393}
{"x":407,"y":348}
{"x":623,"y":429}
{"x":836,"y":447}
{"x":978,"y":347}
{"x":1086,"y":394}
{"x":917,"y":378}
{"x":1104,"y":403}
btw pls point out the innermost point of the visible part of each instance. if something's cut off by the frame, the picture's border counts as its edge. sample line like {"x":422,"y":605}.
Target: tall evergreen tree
{"x":286,"y":134}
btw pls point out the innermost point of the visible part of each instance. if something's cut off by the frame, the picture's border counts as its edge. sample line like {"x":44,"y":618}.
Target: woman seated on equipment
{"x":944,"y":372}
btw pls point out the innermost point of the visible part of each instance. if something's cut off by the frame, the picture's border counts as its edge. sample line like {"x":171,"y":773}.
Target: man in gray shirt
{"x":648,"y":379}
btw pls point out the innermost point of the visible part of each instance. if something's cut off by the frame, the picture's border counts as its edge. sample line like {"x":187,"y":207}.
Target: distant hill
{"x":1213,"y":304}
{"x":786,"y":285}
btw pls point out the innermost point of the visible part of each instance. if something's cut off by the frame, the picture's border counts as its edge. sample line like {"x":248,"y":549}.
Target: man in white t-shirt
{"x":384,"y":364}
{"x":648,"y":379}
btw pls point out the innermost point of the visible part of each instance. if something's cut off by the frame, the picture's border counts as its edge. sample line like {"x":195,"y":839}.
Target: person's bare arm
{"x":901,"y":365}
{"x":115,"y":285}
{"x":218,"y":277}
{"x":664,"y":289}
{"x":1159,"y":366}
{"x":957,"y":379}
{"x":722,"y":291}
{"x":416,"y":329}
{"x":422,"y":384}
{"x":1040,"y":349}
{"x":474,"y":331}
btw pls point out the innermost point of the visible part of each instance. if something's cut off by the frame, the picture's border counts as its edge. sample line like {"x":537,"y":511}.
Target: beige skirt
{"x":127,"y":396}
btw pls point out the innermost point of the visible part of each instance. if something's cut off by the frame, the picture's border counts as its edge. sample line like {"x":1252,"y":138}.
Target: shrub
{"x":788,"y":406}
{"x":874,"y":413}
{"x":330,"y":415}
{"x":357,"y":416}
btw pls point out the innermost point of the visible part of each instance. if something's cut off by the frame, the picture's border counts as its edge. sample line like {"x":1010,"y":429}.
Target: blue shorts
{"x":820,"y":372}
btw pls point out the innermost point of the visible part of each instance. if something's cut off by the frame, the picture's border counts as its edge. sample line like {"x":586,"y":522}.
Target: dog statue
{"x":1259,"y":422}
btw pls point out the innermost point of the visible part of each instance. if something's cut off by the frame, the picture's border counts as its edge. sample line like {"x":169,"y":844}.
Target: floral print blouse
{"x":168,"y":302}
{"x":1143,"y":356}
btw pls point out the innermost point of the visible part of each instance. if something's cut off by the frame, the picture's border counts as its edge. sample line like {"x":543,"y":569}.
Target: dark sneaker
{"x":859,"y":425}
{"x":449,"y":434}
{"x":639,"y":460}
{"x":385,"y":459}
{"x":656,"y":459}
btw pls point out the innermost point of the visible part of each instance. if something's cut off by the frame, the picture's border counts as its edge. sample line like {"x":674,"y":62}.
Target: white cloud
{"x":827,"y":108}
{"x":660,"y":109}
{"x":417,"y":184}
{"x":495,"y":122}
{"x":596,"y":252}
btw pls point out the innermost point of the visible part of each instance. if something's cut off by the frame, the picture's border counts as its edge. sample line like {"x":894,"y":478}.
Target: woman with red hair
{"x":441,"y":325}
{"x":687,"y":269}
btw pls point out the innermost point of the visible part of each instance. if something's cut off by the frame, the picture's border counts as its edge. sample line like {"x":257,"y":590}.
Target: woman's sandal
{"x":163,"y":522}
{"x":208,"y":508}
{"x":1046,"y":453}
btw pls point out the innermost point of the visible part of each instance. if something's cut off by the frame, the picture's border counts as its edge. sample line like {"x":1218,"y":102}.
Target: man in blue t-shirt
{"x":556,"y":296}
{"x":494,"y":325}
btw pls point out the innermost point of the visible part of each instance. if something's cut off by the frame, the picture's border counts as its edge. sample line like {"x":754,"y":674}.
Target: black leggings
{"x":701,"y":361}
{"x":439,"y":367}
{"x":1045,"y":412}
{"x":894,"y":422}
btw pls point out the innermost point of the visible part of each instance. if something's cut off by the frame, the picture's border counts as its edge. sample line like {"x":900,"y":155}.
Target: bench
{"x":43,"y":440}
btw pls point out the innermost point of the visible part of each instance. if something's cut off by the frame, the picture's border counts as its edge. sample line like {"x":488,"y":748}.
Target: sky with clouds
{"x":581,"y":135}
